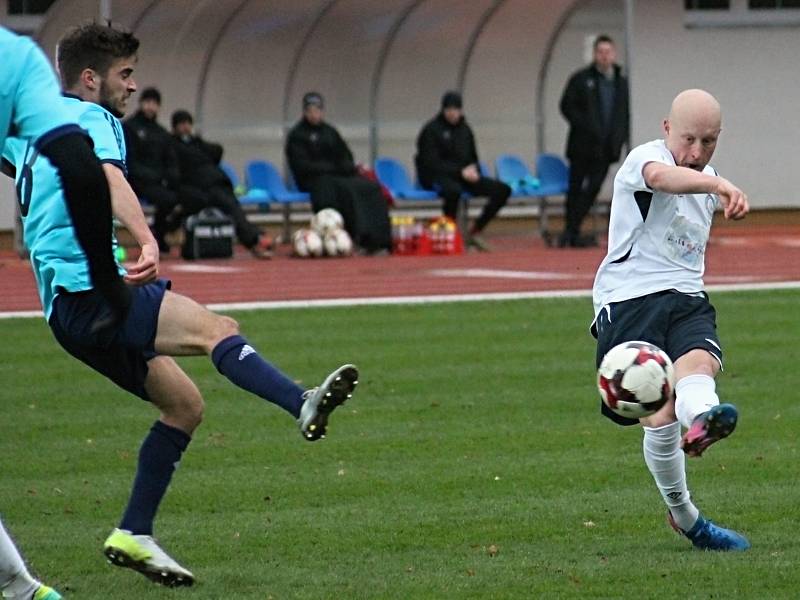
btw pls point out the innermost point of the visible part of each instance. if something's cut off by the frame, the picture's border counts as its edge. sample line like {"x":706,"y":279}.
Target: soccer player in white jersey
{"x":650,"y":287}
{"x":96,"y":65}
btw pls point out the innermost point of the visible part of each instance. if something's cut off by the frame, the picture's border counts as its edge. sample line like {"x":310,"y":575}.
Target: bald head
{"x":692,"y":128}
{"x":696,"y":106}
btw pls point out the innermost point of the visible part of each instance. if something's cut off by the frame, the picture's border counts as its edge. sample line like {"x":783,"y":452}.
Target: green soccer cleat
{"x":320,"y":402}
{"x":46,"y":593}
{"x":141,"y":553}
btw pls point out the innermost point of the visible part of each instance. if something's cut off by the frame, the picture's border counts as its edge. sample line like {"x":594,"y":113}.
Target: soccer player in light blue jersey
{"x":96,"y":65}
{"x":30,"y":110}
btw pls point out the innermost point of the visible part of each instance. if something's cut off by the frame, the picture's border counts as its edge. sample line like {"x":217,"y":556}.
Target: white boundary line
{"x":434,"y":299}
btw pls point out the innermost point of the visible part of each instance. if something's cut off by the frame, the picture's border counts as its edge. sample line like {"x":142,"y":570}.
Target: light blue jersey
{"x":30,"y":108}
{"x":58,"y":260}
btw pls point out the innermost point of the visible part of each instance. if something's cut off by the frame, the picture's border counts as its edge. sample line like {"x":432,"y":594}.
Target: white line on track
{"x":505,"y":274}
{"x":195,"y":268}
{"x":437,"y":299}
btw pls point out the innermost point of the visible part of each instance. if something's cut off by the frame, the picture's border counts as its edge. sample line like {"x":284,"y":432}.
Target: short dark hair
{"x":602,"y":39}
{"x":92,"y":46}
{"x":150,"y":93}
{"x":181,"y":116}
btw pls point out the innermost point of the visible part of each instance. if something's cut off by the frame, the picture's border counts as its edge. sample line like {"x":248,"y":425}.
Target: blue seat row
{"x":264,"y":186}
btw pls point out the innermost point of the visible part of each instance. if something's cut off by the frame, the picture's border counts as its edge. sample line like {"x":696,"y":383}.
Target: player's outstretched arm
{"x":128,"y":211}
{"x":682,"y":180}
{"x":87,"y":197}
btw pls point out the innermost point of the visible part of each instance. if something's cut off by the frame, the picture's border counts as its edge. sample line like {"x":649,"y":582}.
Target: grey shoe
{"x":321,"y":401}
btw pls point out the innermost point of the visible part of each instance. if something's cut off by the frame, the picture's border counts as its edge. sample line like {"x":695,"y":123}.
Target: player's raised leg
{"x":15,"y":580}
{"x":187,"y":328}
{"x":697,"y":405}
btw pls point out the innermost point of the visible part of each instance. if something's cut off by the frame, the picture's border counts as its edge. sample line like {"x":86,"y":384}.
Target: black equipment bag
{"x":209,"y":234}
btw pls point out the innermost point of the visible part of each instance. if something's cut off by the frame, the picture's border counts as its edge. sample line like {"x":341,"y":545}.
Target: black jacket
{"x":443,"y":150}
{"x":580,"y":105}
{"x":199,"y":162}
{"x":316,"y":150}
{"x":151,"y":158}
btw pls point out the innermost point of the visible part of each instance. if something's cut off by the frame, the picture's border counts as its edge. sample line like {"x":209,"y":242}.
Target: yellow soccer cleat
{"x":141,"y":553}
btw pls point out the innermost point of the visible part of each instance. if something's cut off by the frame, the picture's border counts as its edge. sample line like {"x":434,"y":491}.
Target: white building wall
{"x":753,"y":73}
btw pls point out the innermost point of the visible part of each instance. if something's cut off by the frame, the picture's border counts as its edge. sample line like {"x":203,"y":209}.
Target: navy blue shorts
{"x":675,"y":322}
{"x":120,"y":354}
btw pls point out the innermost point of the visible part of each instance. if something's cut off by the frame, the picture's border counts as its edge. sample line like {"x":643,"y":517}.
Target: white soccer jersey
{"x":656,"y":241}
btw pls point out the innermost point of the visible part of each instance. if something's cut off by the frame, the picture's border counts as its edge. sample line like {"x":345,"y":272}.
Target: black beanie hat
{"x":452,"y":99}
{"x":313,"y":99}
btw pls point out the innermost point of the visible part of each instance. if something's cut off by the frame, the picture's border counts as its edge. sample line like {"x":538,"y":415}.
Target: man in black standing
{"x":323,"y":166}
{"x":447,"y":162}
{"x":595,"y":103}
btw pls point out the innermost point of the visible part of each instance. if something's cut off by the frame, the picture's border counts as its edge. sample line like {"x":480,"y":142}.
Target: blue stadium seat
{"x":513,"y":171}
{"x":393,"y":175}
{"x":250,"y":197}
{"x":264,"y":175}
{"x":230,"y":172}
{"x":553,"y":175}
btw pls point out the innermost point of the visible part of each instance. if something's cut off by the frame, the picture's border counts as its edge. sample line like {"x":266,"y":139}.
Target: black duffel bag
{"x":209,"y":234}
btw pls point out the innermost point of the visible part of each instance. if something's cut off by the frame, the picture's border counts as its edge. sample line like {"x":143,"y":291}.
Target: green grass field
{"x":472,"y":463}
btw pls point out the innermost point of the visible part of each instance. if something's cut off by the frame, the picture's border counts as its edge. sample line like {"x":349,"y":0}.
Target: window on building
{"x":28,"y":7}
{"x":741,"y":13}
{"x":776,"y":4}
{"x":707,"y":4}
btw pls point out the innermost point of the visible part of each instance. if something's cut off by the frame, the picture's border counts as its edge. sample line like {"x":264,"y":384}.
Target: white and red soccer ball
{"x":307,"y":243}
{"x":636,"y":379}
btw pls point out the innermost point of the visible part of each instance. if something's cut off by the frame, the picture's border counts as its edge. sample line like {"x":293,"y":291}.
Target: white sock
{"x":694,"y":395}
{"x":666,"y":462}
{"x":15,"y":581}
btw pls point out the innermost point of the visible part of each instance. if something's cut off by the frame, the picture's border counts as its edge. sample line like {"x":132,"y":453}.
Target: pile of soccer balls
{"x":325,"y":237}
{"x":635,"y":379}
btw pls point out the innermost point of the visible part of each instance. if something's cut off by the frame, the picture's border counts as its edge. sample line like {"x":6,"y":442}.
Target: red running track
{"x":740,"y":253}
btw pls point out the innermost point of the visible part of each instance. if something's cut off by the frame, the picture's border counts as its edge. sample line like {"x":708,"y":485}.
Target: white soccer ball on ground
{"x":635,"y":379}
{"x":329,"y":244}
{"x":307,"y":243}
{"x":337,"y":243}
{"x":326,"y":221}
{"x":344,"y":243}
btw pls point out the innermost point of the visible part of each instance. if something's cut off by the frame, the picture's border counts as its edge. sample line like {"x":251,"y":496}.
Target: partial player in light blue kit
{"x":96,"y":64}
{"x":58,"y":260}
{"x":30,"y":111}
